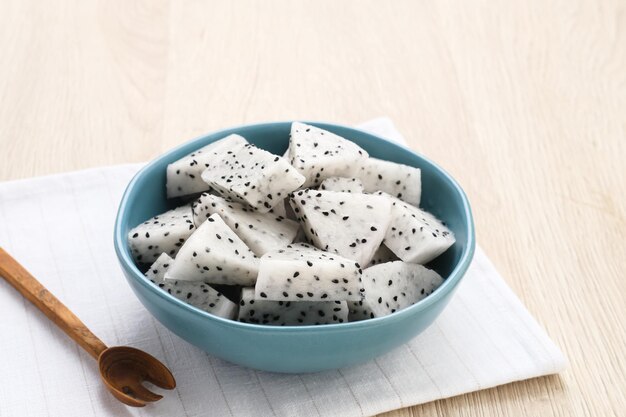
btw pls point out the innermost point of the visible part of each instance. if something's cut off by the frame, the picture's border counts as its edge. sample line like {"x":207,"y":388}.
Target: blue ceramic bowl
{"x":297,"y":349}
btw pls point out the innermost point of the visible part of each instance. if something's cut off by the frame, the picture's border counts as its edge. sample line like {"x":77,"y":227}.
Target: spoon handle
{"x":55,"y":310}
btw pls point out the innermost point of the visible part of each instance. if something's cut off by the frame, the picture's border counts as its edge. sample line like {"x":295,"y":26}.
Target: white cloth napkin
{"x":60,"y":227}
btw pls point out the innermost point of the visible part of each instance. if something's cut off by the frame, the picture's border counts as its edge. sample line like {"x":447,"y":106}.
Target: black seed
{"x":263,"y":295}
{"x":188,"y":295}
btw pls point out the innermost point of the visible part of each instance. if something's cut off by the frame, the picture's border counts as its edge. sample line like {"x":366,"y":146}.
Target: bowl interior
{"x":145,"y":196}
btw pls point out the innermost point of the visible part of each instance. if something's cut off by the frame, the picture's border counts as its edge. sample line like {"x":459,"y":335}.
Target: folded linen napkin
{"x":60,"y":227}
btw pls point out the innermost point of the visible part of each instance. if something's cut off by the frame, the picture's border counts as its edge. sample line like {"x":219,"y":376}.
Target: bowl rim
{"x":449,"y":284}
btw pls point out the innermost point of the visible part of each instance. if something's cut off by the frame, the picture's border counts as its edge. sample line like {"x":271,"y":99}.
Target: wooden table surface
{"x":524,"y":102}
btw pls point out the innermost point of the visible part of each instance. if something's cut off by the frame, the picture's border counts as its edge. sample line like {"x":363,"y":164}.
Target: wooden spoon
{"x":123,"y":369}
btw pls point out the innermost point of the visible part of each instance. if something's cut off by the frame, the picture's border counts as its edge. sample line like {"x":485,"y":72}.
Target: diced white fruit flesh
{"x":216,"y":255}
{"x":303,"y":273}
{"x":401,"y":181}
{"x":198,"y":294}
{"x":184,"y":175}
{"x":351,"y":225}
{"x":318,"y":154}
{"x":382,"y":255}
{"x":391,"y":287}
{"x":341,"y":184}
{"x":262,"y":232}
{"x":163,"y":233}
{"x":252,"y":176}
{"x":290,"y":313}
{"x":415,"y":235}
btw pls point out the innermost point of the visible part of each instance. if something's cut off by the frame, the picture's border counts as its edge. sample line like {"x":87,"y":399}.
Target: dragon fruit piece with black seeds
{"x":341,"y":184}
{"x":216,"y":255}
{"x":300,"y":272}
{"x":290,"y":313}
{"x":351,"y":225}
{"x":184,"y":175}
{"x":319,"y":154}
{"x":261,"y":232}
{"x":198,"y":294}
{"x":254,"y":177}
{"x":415,"y":235}
{"x":163,"y":233}
{"x":382,"y":255}
{"x":393,"y":286}
{"x":401,"y":181}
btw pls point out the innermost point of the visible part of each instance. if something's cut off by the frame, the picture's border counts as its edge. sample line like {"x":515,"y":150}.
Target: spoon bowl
{"x":124,"y":369}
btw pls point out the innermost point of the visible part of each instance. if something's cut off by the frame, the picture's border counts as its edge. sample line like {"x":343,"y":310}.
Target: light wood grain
{"x":523,"y":102}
